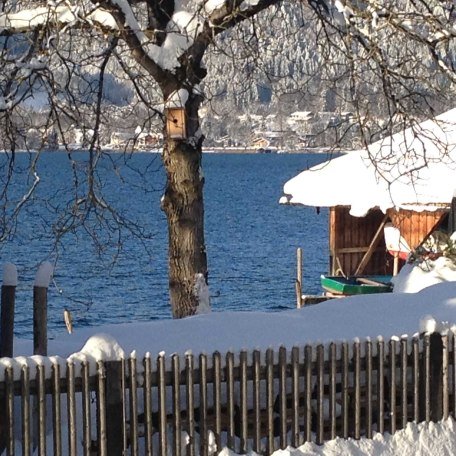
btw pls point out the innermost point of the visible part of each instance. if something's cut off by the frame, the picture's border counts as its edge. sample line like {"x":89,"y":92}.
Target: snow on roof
{"x":177,"y":99}
{"x":413,"y":169}
{"x":301,"y":115}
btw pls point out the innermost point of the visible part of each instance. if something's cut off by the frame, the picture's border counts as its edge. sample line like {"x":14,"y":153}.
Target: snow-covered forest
{"x":283,"y":61}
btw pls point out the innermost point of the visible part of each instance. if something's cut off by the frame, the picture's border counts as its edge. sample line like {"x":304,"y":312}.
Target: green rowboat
{"x":348,"y":286}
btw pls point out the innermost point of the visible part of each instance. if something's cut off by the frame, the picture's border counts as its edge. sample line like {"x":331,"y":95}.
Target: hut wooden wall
{"x":415,"y":226}
{"x":350,"y":237}
{"x":349,"y":240}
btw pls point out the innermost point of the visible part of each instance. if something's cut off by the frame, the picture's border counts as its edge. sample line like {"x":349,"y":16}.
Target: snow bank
{"x":357,"y":317}
{"x":413,"y":278}
{"x":334,"y":320}
{"x":432,"y":439}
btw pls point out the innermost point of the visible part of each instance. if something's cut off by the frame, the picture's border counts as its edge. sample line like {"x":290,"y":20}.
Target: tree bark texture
{"x":183,"y":205}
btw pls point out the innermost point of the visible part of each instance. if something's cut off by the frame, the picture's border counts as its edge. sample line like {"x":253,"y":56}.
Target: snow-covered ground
{"x":387,"y":315}
{"x":338,"y":319}
{"x":433,"y":439}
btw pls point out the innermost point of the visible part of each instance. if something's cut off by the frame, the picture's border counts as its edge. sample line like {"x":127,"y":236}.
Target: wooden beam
{"x":309,"y":300}
{"x":396,"y":264}
{"x":338,"y":270}
{"x":353,"y":249}
{"x":372,"y":282}
{"x":373,"y":245}
{"x":332,"y":240}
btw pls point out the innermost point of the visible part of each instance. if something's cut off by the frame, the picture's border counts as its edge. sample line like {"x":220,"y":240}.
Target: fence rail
{"x":257,"y":400}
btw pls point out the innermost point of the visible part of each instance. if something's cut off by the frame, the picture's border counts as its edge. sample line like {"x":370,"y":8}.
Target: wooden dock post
{"x":42,"y":279}
{"x":8,"y":300}
{"x":298,"y":283}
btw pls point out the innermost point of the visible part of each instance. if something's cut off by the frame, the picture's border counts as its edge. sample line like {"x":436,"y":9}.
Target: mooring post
{"x":8,"y":300}
{"x":298,"y":283}
{"x":40,"y":289}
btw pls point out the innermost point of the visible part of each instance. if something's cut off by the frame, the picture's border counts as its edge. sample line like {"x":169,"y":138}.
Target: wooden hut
{"x":357,"y":244}
{"x":407,"y":180}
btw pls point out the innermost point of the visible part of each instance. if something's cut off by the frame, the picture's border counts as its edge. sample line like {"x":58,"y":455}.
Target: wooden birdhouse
{"x":176,"y":123}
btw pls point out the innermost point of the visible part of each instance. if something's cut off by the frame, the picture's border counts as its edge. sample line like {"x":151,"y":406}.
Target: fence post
{"x":436,"y":379}
{"x":7,"y":313}
{"x":114,"y":408}
{"x":430,"y":385}
{"x":42,"y":279}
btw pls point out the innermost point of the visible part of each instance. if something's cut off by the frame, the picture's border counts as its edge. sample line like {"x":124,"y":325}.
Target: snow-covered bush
{"x":433,"y":262}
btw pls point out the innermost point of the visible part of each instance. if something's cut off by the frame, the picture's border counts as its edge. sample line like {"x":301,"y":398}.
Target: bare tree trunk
{"x":183,"y":205}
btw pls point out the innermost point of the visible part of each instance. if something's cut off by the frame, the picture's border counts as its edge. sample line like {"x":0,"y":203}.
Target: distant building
{"x":121,"y":139}
{"x":301,"y":116}
{"x":260,"y":143}
{"x":149,"y":140}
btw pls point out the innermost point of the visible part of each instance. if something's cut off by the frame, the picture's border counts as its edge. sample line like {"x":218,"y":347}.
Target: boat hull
{"x":349,"y":286}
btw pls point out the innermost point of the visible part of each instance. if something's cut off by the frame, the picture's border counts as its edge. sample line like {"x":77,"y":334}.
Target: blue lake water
{"x":251,"y":239}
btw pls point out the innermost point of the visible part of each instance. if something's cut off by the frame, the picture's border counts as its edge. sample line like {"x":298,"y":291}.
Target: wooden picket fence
{"x":255,"y":400}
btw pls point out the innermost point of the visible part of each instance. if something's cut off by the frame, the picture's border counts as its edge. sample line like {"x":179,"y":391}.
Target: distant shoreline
{"x":206,"y":150}
{"x":248,"y":150}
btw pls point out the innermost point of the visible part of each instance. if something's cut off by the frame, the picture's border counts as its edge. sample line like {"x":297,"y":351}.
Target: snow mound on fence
{"x":102,"y":347}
